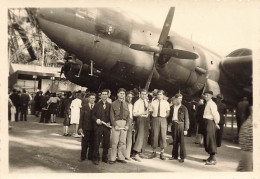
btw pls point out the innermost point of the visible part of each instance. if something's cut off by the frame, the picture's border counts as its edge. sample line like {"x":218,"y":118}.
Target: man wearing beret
{"x":120,"y":119}
{"x":211,"y":118}
{"x":179,"y":118}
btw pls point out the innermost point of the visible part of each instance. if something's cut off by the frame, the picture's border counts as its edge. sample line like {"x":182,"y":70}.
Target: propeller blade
{"x":145,"y":48}
{"x":148,"y":82}
{"x":179,"y":53}
{"x":166,"y":26}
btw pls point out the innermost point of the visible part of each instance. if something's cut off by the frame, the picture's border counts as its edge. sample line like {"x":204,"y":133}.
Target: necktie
{"x":145,"y":108}
{"x":121,"y":110}
{"x":158,"y":114}
{"x":104,"y":105}
{"x":91,"y":106}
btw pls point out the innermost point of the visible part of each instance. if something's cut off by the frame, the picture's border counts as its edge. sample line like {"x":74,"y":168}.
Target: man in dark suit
{"x":86,"y":128}
{"x":101,"y":118}
{"x":179,"y":118}
{"x":24,"y":99}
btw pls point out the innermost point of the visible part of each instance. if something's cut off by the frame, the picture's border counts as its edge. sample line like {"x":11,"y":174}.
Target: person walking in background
{"x":15,"y":98}
{"x":200,"y":122}
{"x":53,"y":104}
{"x":129,"y":135}
{"x":86,"y":129}
{"x":37,"y":103}
{"x":211,"y":118}
{"x":142,"y":125}
{"x":222,"y":110}
{"x":160,"y":111}
{"x":75,"y":114}
{"x":241,"y":112}
{"x":45,"y":116}
{"x":66,"y":122}
{"x":102,"y":123}
{"x":179,"y":118}
{"x":120,"y":119}
{"x":25,"y":99}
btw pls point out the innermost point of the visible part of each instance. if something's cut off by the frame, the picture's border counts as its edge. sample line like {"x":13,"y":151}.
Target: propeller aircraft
{"x":114,"y":49}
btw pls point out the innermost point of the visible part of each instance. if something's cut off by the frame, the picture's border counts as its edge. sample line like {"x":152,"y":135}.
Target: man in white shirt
{"x":211,"y":118}
{"x":160,"y":111}
{"x":129,"y":135}
{"x":142,"y":125}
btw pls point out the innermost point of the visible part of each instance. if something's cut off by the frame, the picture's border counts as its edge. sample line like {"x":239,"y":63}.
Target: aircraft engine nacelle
{"x":182,"y":73}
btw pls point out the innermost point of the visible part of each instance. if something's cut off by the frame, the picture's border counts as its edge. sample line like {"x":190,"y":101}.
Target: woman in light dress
{"x":75,"y":114}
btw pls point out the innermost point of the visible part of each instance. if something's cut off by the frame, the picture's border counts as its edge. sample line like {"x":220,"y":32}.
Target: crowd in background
{"x":141,"y":126}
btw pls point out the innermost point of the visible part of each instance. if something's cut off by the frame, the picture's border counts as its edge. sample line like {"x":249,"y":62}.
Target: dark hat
{"x":121,"y":89}
{"x":208,"y":92}
{"x":220,"y":96}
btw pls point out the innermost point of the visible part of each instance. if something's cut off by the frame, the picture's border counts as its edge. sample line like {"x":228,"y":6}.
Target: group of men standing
{"x":112,"y":124}
{"x":21,"y":103}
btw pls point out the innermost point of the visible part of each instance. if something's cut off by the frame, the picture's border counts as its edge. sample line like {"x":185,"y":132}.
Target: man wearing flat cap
{"x":211,"y":118}
{"x":120,"y":119}
{"x":179,"y":118}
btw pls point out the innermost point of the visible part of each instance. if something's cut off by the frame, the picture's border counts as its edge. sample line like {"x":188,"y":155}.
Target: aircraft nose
{"x":44,"y":13}
{"x":64,"y":16}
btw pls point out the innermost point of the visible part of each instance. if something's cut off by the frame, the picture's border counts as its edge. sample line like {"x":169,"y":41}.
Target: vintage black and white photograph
{"x":131,"y":87}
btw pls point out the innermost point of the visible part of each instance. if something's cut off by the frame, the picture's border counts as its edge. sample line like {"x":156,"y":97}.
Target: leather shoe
{"x":211,"y":162}
{"x":152,"y":156}
{"x":181,"y":160}
{"x":122,"y":161}
{"x":173,"y":158}
{"x":96,"y":162}
{"x":137,"y":158}
{"x":205,"y":160}
{"x":112,"y":162}
{"x":162,"y":157}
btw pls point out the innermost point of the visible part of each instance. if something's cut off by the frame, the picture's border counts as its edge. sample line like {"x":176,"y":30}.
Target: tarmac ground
{"x":41,"y":147}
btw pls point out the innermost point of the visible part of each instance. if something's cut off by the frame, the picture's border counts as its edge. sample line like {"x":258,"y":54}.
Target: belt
{"x":209,"y":119}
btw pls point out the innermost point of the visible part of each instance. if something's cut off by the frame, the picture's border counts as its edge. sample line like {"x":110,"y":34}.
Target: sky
{"x":221,"y":26}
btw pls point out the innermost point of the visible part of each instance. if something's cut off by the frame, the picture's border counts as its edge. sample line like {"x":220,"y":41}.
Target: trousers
{"x":87,"y":145}
{"x":101,"y":132}
{"x":142,"y":128}
{"x":118,"y":141}
{"x":159,"y":129}
{"x":210,"y":137}
{"x":178,"y":140}
{"x":129,"y":142}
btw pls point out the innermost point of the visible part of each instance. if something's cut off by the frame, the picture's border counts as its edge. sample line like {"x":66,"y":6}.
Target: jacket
{"x":97,"y":112}
{"x":183,"y":116}
{"x":85,"y":121}
{"x":115,"y":112}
